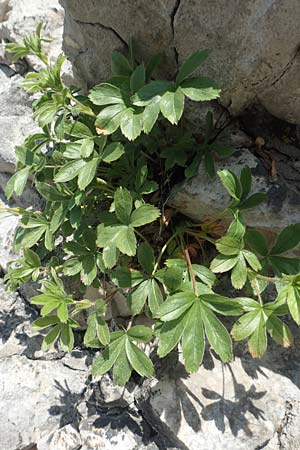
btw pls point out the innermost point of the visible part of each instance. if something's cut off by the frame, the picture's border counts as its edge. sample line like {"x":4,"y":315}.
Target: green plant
{"x":101,"y":164}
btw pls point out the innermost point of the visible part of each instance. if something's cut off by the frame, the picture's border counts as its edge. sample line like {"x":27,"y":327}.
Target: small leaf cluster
{"x":101,"y":164}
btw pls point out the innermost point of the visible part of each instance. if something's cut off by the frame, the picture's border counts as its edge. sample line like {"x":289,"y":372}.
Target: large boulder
{"x":254,"y":44}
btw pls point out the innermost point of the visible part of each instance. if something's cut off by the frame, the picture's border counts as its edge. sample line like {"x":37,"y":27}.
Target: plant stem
{"x":164,"y":248}
{"x":256,"y":287}
{"x":141,"y":236}
{"x":130,"y":322}
{"x":270,"y":279}
{"x":85,"y":109}
{"x":188,"y":260}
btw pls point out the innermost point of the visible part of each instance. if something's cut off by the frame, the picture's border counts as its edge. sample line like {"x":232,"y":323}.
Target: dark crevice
{"x":72,"y":368}
{"x":287,"y":67}
{"x":173,"y":15}
{"x":104,"y":27}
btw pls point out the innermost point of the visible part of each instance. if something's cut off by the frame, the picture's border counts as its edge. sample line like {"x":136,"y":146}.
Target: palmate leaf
{"x":17,"y":182}
{"x":147,"y":291}
{"x":87,"y":173}
{"x":172,"y":104}
{"x":234,"y":256}
{"x":123,"y":205}
{"x":120,"y":65}
{"x":255,"y":324}
{"x":185,"y":317}
{"x":193,"y":339}
{"x":137,"y":79}
{"x":131,"y":123}
{"x":124,"y":356}
{"x":143,"y":215}
{"x":120,"y":232}
{"x":146,"y":257}
{"x":200,"y":89}
{"x":97,"y":329}
{"x":106,"y":94}
{"x":109,"y":119}
{"x":64,"y":331}
{"x":287,"y":239}
{"x":150,"y":92}
{"x":291,"y":294}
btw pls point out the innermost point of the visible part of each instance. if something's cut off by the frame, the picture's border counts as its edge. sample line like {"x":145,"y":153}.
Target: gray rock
{"x":66,"y":438}
{"x":204,"y":199}
{"x":111,"y":395}
{"x":39,"y":401}
{"x":243,"y":405}
{"x":9,"y":222}
{"x":113,"y":433}
{"x":15,"y":327}
{"x":255,"y":44}
{"x":19,"y":18}
{"x":16,"y":121}
{"x":113,"y":24}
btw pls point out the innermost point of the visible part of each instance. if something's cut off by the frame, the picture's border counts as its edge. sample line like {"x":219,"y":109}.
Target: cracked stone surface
{"x":243,"y":405}
{"x":15,"y":108}
{"x":49,"y":400}
{"x":255,"y":44}
{"x":204,"y":199}
{"x":113,"y":23}
{"x":9,"y":223}
{"x":51,"y":403}
{"x":19,"y":18}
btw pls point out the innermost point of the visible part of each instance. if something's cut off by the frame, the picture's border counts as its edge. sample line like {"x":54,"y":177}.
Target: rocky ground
{"x":50,"y":402}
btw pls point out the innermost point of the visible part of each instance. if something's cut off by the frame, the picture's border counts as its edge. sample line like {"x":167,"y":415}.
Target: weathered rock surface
{"x":48,"y":401}
{"x":204,"y":199}
{"x":243,"y":405}
{"x":9,"y":222}
{"x":16,"y":121}
{"x":18,"y":18}
{"x":113,"y":24}
{"x":254,"y":43}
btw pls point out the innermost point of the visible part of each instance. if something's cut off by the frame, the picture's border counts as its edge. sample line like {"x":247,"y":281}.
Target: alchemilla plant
{"x":103,"y":164}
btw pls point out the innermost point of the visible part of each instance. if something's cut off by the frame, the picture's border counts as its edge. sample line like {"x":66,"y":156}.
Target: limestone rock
{"x":204,"y":199}
{"x":111,"y":395}
{"x":243,"y":405}
{"x":113,"y":23}
{"x":66,"y":438}
{"x":117,"y":306}
{"x":16,"y":121}
{"x":18,"y":18}
{"x":254,"y":43}
{"x":9,"y":222}
{"x":43,"y":398}
{"x":113,"y":433}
